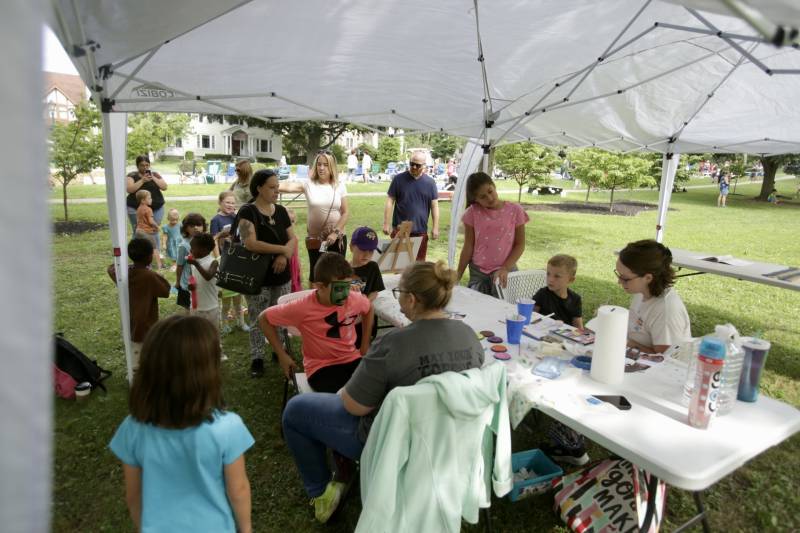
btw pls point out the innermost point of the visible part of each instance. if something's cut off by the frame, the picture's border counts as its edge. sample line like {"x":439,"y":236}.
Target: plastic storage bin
{"x":538,"y":462}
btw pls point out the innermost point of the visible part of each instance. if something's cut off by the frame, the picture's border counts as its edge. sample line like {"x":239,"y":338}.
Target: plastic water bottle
{"x":732,"y":372}
{"x":708,"y":381}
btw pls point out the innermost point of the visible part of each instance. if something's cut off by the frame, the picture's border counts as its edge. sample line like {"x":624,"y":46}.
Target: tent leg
{"x":669,"y":165}
{"x":115,"y":126}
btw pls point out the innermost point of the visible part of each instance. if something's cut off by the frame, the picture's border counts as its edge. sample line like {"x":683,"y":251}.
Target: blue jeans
{"x":313,"y":422}
{"x":158,"y":214}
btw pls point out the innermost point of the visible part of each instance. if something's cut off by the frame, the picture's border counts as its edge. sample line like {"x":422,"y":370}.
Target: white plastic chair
{"x":521,"y":284}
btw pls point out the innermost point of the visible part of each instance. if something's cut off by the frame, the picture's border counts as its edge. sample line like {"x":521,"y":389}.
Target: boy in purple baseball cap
{"x":363,"y":244}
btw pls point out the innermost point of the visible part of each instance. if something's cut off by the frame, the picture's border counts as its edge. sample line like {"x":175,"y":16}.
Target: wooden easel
{"x":401,"y":243}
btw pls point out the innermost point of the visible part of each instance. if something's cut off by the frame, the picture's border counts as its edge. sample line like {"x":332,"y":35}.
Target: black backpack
{"x":75,"y":363}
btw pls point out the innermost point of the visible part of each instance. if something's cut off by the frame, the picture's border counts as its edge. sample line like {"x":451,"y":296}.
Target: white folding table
{"x":754,"y":271}
{"x":654,"y":433}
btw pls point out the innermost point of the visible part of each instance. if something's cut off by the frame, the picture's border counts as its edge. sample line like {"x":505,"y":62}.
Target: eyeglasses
{"x":623,"y":279}
{"x":416,"y":165}
{"x":397,"y":291}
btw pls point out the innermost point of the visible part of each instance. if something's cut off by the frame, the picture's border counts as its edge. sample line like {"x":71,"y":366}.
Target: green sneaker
{"x":326,"y":504}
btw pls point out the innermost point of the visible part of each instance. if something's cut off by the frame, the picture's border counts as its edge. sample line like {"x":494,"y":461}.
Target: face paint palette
{"x":494,"y":339}
{"x":502,"y":356}
{"x":487,"y":333}
{"x":480,"y":337}
{"x":499,"y":348}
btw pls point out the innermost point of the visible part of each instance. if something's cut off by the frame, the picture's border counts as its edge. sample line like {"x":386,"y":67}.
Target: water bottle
{"x":732,"y":371}
{"x":707,"y":383}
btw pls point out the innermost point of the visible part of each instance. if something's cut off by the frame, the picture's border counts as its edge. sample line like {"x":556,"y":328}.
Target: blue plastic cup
{"x":755,"y":355}
{"x":514,"y":325}
{"x":525,"y":308}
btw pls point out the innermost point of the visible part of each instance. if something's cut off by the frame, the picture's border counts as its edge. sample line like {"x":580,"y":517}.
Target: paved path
{"x":375,"y":193}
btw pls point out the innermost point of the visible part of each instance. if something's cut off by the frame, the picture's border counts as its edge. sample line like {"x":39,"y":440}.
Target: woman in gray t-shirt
{"x":431,"y":344}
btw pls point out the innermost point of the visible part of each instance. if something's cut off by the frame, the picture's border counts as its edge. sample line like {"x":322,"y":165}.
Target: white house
{"x":237,"y":140}
{"x":352,"y":139}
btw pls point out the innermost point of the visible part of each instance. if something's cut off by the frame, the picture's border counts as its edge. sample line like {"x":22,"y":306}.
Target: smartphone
{"x":620,"y":402}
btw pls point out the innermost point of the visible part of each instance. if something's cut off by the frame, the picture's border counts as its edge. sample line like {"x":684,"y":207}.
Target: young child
{"x":182,"y":453}
{"x":773,"y":197}
{"x":557,"y":298}
{"x":494,"y":235}
{"x":363,"y":243}
{"x":325,"y":319}
{"x":145,"y":287}
{"x":221,"y":230}
{"x":204,"y":268}
{"x":192,"y":224}
{"x":146,"y":225}
{"x":171,"y":236}
{"x":294,"y":262}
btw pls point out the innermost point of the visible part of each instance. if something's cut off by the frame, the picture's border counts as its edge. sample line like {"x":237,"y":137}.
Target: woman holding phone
{"x":145,"y":179}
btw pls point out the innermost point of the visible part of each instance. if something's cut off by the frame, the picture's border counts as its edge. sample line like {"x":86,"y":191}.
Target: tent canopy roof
{"x":626,"y":75}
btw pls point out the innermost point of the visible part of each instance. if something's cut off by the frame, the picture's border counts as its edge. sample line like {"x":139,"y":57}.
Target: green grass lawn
{"x":761,"y":496}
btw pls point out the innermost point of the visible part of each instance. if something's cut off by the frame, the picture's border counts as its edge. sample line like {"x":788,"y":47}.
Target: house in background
{"x":206,"y":138}
{"x":352,"y":139}
{"x":63,"y":92}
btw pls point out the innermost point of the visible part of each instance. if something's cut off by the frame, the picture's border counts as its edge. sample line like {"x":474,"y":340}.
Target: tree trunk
{"x":314,"y":142}
{"x":611,"y":202}
{"x":64,"y":189}
{"x":519,"y":194}
{"x":771,"y":165}
{"x":588,"y":190}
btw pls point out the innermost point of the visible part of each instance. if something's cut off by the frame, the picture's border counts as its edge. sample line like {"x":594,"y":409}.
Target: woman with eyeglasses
{"x":431,"y":344}
{"x":326,"y":197}
{"x":241,"y":187}
{"x":657,"y":317}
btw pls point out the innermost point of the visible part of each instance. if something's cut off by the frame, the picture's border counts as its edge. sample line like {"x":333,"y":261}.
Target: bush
{"x":221,"y":157}
{"x":267,"y":160}
{"x":339,"y":154}
{"x":188,"y":155}
{"x":170,"y":158}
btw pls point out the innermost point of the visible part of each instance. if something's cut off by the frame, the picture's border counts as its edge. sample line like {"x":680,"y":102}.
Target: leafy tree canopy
{"x":76,"y":147}
{"x":151,"y":132}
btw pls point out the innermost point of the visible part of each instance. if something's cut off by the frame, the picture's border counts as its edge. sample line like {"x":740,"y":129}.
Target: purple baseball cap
{"x":365,"y":239}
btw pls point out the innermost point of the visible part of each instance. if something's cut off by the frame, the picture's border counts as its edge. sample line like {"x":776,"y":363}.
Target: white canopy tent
{"x":567,"y":72}
{"x":630,"y":75}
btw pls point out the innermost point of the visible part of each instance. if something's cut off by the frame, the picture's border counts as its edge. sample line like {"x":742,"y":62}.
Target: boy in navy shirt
{"x":557,"y":298}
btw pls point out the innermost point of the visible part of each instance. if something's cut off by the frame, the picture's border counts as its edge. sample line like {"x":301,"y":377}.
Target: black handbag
{"x":241,"y":270}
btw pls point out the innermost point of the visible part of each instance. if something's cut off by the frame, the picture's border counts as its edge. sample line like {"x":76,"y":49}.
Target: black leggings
{"x":332,"y":378}
{"x":313,"y":256}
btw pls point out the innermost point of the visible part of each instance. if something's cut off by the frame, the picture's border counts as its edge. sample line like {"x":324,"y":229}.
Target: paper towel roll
{"x":611,"y":335}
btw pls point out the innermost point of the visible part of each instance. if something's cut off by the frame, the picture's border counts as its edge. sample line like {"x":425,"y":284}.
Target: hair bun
{"x":444,"y":275}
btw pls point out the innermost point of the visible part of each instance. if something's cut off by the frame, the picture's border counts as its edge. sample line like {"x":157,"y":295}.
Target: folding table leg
{"x":699,"y":517}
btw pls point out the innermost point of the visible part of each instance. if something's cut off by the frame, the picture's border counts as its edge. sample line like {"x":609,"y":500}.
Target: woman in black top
{"x":265,"y":228}
{"x":145,"y":179}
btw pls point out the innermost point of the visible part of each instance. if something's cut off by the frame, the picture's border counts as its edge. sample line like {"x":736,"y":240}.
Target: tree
{"x":771,"y":165}
{"x":612,"y":170}
{"x":625,"y":170}
{"x":151,"y":132}
{"x":529,"y":164}
{"x":588,"y":167}
{"x":682,"y":175}
{"x":444,"y":146}
{"x":76,"y":147}
{"x":388,"y":150}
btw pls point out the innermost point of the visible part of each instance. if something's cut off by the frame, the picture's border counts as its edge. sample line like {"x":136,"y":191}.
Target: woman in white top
{"x":658,"y":318}
{"x":327,"y":208}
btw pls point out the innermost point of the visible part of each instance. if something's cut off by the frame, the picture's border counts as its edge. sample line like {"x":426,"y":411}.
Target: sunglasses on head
{"x":326,"y":152}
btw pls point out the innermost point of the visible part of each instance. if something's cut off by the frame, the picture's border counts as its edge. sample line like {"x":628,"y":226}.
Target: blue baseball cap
{"x":365,"y":239}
